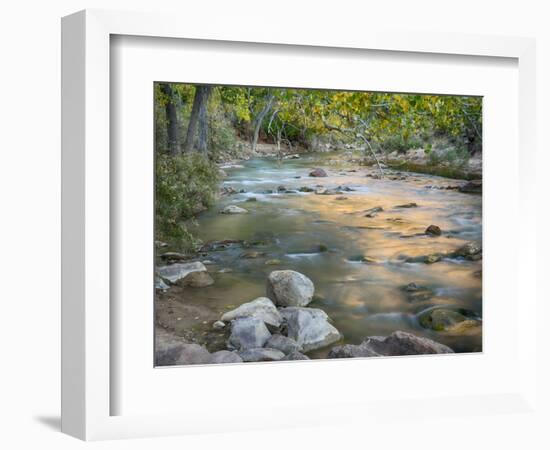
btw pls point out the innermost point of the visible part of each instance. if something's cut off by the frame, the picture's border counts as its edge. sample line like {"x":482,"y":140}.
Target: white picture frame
{"x":88,"y":386}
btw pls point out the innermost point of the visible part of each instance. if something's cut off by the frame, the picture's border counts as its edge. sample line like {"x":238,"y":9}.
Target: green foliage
{"x":185,"y":185}
{"x":457,"y":157}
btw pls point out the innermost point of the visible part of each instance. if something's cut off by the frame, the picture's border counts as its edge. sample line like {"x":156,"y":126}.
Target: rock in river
{"x":233,"y":209}
{"x":261,"y":354}
{"x":283,"y":343}
{"x":455,"y":321}
{"x":289,"y":288}
{"x":470,"y":250}
{"x":309,"y":327}
{"x":399,"y":343}
{"x":186,"y":274}
{"x":317,"y":173}
{"x":433,"y":230}
{"x":472,"y":187}
{"x":261,"y":308}
{"x":247,"y":333}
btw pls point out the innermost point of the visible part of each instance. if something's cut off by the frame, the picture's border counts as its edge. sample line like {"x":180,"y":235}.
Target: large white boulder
{"x":261,"y":308}
{"x":192,"y":274}
{"x":309,"y":327}
{"x":248,"y":332}
{"x":289,"y":288}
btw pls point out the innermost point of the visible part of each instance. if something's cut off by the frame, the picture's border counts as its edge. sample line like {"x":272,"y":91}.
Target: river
{"x":328,"y":237}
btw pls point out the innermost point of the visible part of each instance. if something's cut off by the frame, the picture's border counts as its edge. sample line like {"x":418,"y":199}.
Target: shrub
{"x":185,"y":185}
{"x":455,"y":156}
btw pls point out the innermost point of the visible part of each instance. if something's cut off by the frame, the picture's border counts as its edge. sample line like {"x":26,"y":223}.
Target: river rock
{"x":248,"y":332}
{"x":227,"y":190}
{"x":160,"y":284}
{"x":218,"y":325}
{"x":261,"y":354}
{"x":192,"y":274}
{"x":273,"y":262}
{"x":295,"y":356}
{"x":373,"y":212}
{"x":309,"y":327}
{"x":225,"y":357}
{"x":182,"y":354}
{"x":470,"y":250}
{"x":233,"y":209}
{"x":252,"y":254}
{"x":402,"y":343}
{"x":472,"y":187}
{"x":363,"y":350}
{"x":407,"y":205}
{"x":306,"y":189}
{"x":283,"y":343}
{"x":426,"y":259}
{"x":399,"y":343}
{"x":433,"y":230}
{"x":321,"y":190}
{"x":173,"y":256}
{"x":289,"y":288}
{"x":446,"y":319}
{"x":261,"y":308}
{"x":317,"y":173}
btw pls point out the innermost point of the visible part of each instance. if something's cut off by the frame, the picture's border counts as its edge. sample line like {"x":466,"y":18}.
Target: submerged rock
{"x":186,"y":274}
{"x":472,"y":187}
{"x":317,"y":173}
{"x":306,"y":189}
{"x":283,"y":343}
{"x":261,"y":308}
{"x":273,"y":262}
{"x":233,"y":209}
{"x":399,"y":343}
{"x":289,"y":288}
{"x":309,"y":327}
{"x":448,"y":320}
{"x":373,"y":212}
{"x":261,"y":354}
{"x":470,"y":250}
{"x":427,"y":259}
{"x":407,"y":205}
{"x":252,"y":254}
{"x":248,"y":332}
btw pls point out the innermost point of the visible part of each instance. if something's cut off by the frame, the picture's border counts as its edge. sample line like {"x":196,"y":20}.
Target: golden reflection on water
{"x":362,"y":299}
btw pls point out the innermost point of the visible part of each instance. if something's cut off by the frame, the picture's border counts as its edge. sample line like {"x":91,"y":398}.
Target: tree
{"x":266,"y":100}
{"x":171,"y":119}
{"x":198,"y":120}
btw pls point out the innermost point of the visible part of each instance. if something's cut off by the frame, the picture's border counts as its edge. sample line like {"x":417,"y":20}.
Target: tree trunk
{"x":171,"y":120}
{"x":203,"y":122}
{"x":199,"y":108}
{"x":259,"y":119}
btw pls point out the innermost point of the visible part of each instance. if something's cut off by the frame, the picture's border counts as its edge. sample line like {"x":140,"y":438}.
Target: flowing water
{"x":325,"y":236}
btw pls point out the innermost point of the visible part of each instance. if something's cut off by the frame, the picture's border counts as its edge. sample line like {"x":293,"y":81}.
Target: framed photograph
{"x":286,"y":219}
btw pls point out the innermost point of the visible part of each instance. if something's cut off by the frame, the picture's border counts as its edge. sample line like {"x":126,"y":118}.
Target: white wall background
{"x":30,"y":194}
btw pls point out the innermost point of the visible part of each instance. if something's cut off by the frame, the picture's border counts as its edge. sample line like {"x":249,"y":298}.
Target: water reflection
{"x":325,"y":236}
